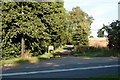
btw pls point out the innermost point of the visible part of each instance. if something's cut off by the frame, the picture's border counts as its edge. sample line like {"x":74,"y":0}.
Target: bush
{"x":113,"y":31}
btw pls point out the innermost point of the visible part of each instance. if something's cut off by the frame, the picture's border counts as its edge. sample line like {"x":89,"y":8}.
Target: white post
{"x":119,"y":11}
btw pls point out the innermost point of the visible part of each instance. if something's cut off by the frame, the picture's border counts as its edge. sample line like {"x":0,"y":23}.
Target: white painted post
{"x":119,"y":11}
{"x":50,"y":48}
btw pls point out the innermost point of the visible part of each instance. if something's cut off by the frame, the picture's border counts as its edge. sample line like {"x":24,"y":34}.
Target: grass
{"x":37,"y":58}
{"x":107,"y":76}
{"x":101,"y":77}
{"x":20,"y":60}
{"x":95,"y":52}
{"x":58,"y":50}
{"x":14,"y":60}
{"x":46,"y":55}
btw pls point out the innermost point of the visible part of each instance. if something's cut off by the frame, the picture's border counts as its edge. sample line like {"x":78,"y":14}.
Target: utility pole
{"x":22,"y":40}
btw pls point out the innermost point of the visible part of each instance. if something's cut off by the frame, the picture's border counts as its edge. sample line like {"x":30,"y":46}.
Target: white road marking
{"x":59,"y":70}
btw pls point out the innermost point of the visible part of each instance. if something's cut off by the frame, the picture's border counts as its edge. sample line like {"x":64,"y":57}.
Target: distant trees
{"x":91,"y":37}
{"x":80,"y":22}
{"x":100,"y":33}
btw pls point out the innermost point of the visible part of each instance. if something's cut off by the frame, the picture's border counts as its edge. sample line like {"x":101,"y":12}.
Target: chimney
{"x":119,"y":11}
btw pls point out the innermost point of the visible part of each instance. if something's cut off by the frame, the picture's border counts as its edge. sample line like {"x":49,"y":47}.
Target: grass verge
{"x":14,"y":60}
{"x":107,"y":76}
{"x":96,"y":52}
{"x":37,"y":58}
{"x":20,"y":60}
{"x":101,"y":77}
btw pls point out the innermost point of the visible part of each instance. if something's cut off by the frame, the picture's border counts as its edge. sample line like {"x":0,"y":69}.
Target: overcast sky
{"x":103,"y":11}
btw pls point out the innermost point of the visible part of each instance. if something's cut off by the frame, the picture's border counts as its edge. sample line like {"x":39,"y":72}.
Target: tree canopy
{"x":80,"y":22}
{"x":41,"y":25}
{"x":113,"y":31}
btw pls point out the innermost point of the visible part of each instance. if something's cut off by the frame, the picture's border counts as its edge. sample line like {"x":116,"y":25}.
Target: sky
{"x":103,"y":11}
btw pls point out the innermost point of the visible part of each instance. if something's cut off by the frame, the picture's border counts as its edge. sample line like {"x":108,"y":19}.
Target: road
{"x":64,"y":67}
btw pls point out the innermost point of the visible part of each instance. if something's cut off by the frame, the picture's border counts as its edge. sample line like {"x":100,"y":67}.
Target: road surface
{"x":64,"y":67}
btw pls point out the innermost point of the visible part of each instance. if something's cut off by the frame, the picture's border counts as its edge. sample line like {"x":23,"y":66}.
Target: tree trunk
{"x":22,"y":41}
{"x":22,"y":46}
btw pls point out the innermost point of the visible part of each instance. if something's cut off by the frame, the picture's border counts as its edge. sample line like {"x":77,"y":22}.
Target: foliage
{"x":113,"y":31}
{"x":59,"y":49}
{"x":91,"y":37}
{"x":95,"y":52}
{"x":40,"y":24}
{"x":56,"y":23}
{"x":80,"y":22}
{"x":16,"y":25}
{"x":100,"y":33}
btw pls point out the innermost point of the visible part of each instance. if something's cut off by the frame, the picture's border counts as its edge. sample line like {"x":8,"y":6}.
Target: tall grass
{"x":95,"y":52}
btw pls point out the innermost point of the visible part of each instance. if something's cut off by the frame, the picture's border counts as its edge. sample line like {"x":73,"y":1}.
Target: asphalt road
{"x":65,"y":67}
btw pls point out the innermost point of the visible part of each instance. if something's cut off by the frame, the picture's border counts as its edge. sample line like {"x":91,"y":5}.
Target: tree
{"x":57,"y":24}
{"x":16,"y":26}
{"x":91,"y":37}
{"x":41,"y":25}
{"x":81,"y":25}
{"x":113,"y":31}
{"x":100,"y":33}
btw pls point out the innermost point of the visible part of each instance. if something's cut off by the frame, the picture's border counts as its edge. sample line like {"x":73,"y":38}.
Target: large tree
{"x":21,"y":21}
{"x":56,"y":21}
{"x":81,"y":25}
{"x":37,"y":24}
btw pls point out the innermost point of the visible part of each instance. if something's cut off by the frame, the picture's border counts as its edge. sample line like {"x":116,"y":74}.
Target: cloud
{"x":102,"y":9}
{"x":103,"y":14}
